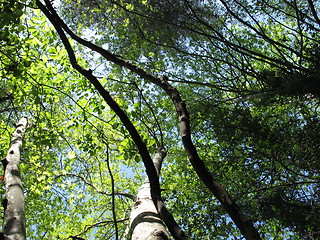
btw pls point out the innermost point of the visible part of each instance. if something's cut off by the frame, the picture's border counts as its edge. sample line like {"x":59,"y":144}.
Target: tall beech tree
{"x":14,"y":222}
{"x":229,"y":88}
{"x":145,"y":222}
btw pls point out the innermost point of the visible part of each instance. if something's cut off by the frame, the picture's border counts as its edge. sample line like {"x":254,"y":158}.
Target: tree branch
{"x":143,"y":151}
{"x":128,"y":195}
{"x":313,"y":10}
{"x":150,"y":169}
{"x":244,"y":224}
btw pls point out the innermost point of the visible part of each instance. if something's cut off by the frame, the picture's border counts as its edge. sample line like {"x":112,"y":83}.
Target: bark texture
{"x":145,"y":223}
{"x":14,"y":222}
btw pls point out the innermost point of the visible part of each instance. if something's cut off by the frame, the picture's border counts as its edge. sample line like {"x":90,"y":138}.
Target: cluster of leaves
{"x":64,"y":165}
{"x":248,"y":72}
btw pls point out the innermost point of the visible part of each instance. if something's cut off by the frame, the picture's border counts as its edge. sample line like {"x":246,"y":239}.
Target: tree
{"x":246,"y":72}
{"x":145,"y":222}
{"x":14,"y":223}
{"x":244,"y":224}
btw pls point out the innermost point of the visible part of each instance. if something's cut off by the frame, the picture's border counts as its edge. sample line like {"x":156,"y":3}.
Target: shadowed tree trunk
{"x":14,"y":222}
{"x":145,"y":223}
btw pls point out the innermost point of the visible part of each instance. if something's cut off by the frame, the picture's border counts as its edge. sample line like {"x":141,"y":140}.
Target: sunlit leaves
{"x":244,"y":76}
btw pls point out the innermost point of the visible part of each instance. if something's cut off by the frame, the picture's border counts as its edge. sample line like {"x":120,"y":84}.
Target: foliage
{"x":248,"y":72}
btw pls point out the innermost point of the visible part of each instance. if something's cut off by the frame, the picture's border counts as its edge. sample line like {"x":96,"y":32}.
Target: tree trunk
{"x":145,"y":223}
{"x":14,"y":222}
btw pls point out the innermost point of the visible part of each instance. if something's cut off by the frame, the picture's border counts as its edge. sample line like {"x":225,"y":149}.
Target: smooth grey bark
{"x":145,"y":222}
{"x":14,"y":222}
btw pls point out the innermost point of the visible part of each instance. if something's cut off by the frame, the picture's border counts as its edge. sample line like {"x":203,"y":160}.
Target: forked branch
{"x":243,"y":223}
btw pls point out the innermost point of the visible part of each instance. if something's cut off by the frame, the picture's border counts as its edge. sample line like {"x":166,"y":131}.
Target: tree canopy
{"x":229,"y":88}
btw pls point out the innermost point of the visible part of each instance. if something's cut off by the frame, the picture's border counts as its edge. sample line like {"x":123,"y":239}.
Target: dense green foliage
{"x":248,"y":72}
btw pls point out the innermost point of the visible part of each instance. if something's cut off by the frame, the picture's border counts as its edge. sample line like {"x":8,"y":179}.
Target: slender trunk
{"x":145,"y":222}
{"x":152,"y":174}
{"x":239,"y":218}
{"x":14,"y":222}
